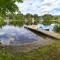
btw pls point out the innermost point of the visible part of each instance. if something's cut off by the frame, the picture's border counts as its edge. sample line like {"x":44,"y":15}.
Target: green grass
{"x":49,"y":52}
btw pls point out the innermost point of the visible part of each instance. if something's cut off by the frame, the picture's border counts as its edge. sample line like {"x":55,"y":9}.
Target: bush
{"x":47,"y":19}
{"x":57,"y":28}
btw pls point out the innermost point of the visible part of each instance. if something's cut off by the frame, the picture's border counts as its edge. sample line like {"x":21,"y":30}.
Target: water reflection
{"x":15,"y":35}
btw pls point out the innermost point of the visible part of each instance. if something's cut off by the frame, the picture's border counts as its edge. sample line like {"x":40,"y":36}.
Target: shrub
{"x":57,"y":28}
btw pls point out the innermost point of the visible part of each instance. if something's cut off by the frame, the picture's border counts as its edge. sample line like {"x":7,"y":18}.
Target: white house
{"x":46,"y":27}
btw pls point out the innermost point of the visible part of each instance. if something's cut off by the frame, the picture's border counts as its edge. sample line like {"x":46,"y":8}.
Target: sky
{"x":39,"y":7}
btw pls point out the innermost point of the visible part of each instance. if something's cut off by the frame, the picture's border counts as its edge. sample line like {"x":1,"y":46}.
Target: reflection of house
{"x":46,"y":27}
{"x":7,"y":20}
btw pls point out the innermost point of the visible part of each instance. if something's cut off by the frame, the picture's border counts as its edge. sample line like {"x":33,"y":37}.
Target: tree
{"x":57,"y":18}
{"x":47,"y":19}
{"x":36,"y":18}
{"x":29,"y":18}
{"x":17,"y":19}
{"x":7,"y":6}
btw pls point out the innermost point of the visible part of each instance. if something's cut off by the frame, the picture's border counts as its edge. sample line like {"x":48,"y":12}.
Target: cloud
{"x":40,"y":7}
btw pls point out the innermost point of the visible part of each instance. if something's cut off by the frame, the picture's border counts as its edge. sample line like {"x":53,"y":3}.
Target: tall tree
{"x":36,"y":18}
{"x":8,"y":6}
{"x":47,"y":19}
{"x":29,"y":18}
{"x":17,"y":19}
{"x":57,"y":19}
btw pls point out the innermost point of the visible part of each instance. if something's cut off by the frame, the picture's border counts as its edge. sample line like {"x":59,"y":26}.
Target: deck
{"x":51,"y":34}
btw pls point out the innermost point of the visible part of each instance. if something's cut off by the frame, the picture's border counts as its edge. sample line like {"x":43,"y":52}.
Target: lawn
{"x":48,"y":52}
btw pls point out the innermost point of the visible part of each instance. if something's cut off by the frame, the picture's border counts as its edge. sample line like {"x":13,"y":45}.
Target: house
{"x":46,"y":27}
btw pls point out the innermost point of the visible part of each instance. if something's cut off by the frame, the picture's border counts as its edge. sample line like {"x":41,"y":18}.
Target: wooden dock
{"x":51,"y":34}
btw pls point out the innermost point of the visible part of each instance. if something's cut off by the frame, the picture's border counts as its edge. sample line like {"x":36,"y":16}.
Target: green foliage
{"x":17,"y":22}
{"x":36,"y":18}
{"x":57,"y":18}
{"x":2,"y":22}
{"x":17,"y":19}
{"x":57,"y":28}
{"x":47,"y":19}
{"x":7,"y":6}
{"x":18,"y":16}
{"x":29,"y":19}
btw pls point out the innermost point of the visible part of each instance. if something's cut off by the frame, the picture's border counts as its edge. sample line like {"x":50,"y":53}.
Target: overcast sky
{"x":40,"y":7}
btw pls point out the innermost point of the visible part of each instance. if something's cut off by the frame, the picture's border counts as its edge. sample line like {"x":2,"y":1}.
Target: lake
{"x":16,"y":35}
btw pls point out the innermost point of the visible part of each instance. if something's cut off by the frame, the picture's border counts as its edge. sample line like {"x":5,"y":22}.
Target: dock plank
{"x":52,"y":34}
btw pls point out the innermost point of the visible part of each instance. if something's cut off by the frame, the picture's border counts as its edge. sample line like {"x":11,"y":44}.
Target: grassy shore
{"x":48,"y":52}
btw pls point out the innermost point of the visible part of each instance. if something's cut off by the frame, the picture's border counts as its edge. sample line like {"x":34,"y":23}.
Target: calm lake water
{"x":17,"y":35}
